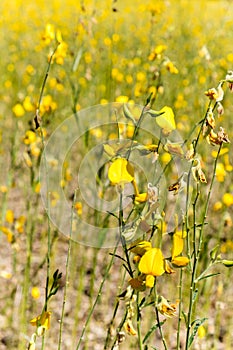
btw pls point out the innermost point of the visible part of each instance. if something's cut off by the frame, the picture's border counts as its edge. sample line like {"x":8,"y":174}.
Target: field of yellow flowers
{"x":116,"y":174}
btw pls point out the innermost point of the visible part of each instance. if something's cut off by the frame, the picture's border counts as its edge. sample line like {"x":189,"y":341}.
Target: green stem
{"x":97,"y":298}
{"x":197,"y":249}
{"x":67,"y":274}
{"x":157,"y":317}
{"x":139,"y":324}
{"x":160,"y":329}
{"x":180,"y":291}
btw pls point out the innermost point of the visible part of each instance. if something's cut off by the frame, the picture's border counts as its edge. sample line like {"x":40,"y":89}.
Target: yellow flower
{"x":140,"y":248}
{"x":18,"y":110}
{"x":150,"y":280}
{"x":120,"y":172}
{"x":10,"y":216}
{"x":177,"y":248}
{"x":217,"y":206}
{"x":30,"y":137}
{"x":141,"y":197}
{"x":201,"y":332}
{"x":180,"y":261}
{"x":19,"y":224}
{"x":42,"y":322}
{"x":35,"y":292}
{"x":227,"y":199}
{"x":128,"y":325}
{"x":165,"y":308}
{"x":79,"y":208}
{"x":171,"y":68}
{"x":212,"y":94}
{"x":8,"y":233}
{"x":49,"y":34}
{"x":178,"y":243}
{"x":165,"y":119}
{"x":152,"y":264}
{"x":220,"y":172}
{"x":122,"y":99}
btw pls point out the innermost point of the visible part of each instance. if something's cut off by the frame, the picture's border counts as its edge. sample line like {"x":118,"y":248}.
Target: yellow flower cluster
{"x":151,"y":262}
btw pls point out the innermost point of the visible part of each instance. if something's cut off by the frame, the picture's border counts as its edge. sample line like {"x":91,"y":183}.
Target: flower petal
{"x":180,"y":261}
{"x":120,"y":171}
{"x":152,"y":262}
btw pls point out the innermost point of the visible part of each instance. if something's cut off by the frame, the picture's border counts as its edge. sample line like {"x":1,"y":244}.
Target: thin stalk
{"x":142,"y":115}
{"x":117,"y":303}
{"x":160,"y":329}
{"x":157,"y":317}
{"x":197,"y":249}
{"x":194,"y":270}
{"x":119,"y":328}
{"x":67,"y":274}
{"x":122,"y":238}
{"x":39,"y":126}
{"x":180,"y":293}
{"x":111,"y":324}
{"x":97,"y":297}
{"x":139,"y":324}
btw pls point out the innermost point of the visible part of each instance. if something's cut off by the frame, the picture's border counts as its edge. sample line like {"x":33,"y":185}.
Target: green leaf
{"x":148,"y":100}
{"x":152,"y":329}
{"x":207,"y":276}
{"x":128,"y":114}
{"x":185,"y":318}
{"x":197,"y":323}
{"x":142,"y":302}
{"x":155,"y":114}
{"x":109,"y":150}
{"x":214,"y":252}
{"x":227,"y":263}
{"x":77,"y":60}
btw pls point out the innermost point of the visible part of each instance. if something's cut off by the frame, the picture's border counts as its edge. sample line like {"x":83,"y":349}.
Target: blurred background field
{"x":110,"y":51}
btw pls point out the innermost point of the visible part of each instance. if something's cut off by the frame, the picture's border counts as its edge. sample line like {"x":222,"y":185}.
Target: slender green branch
{"x":67,"y":274}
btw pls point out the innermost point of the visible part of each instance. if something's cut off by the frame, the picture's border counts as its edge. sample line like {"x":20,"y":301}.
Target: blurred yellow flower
{"x":217,"y":206}
{"x":79,"y":208}
{"x":19,"y":224}
{"x":5,"y":274}
{"x":35,"y":292}
{"x":49,"y":34}
{"x":8,"y":233}
{"x":220,"y":172}
{"x":227,"y":199}
{"x":27,"y":105}
{"x":30,"y":137}
{"x":10,"y":216}
{"x":18,"y":110}
{"x":201,"y":332}
{"x":171,"y":68}
{"x":122,"y":99}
